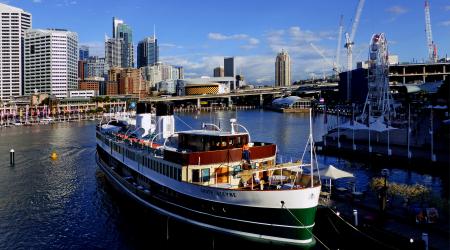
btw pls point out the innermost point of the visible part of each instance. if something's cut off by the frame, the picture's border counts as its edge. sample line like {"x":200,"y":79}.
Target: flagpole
{"x":325,"y":121}
{"x":311,"y":141}
{"x":353,"y":126}
{"x":339,"y":135}
{"x":433,"y":156}
{"x":409,"y":130}
{"x":368,"y":125}
{"x":388,"y":124}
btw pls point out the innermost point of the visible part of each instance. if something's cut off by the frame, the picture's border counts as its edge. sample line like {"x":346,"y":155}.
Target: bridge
{"x":257,"y":96}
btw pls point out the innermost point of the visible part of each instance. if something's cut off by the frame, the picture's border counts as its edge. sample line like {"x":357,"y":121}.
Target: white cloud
{"x":397,"y":10}
{"x":219,"y":36}
{"x":251,"y":41}
{"x":65,"y":3}
{"x":260,"y":68}
{"x":445,"y":23}
{"x":37,"y":1}
{"x":170,"y":45}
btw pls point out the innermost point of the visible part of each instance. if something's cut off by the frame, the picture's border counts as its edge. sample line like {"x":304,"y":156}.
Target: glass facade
{"x":125,"y":34}
{"x":147,"y":52}
{"x":84,"y":53}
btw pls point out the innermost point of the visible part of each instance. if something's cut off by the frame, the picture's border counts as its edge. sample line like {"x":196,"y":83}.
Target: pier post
{"x":355,"y":215}
{"x":425,"y":240}
{"x":261,"y":100}
{"x":11,"y":157}
{"x":198,"y":103}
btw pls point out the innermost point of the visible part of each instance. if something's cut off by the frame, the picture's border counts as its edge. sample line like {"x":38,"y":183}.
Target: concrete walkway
{"x":395,"y":221}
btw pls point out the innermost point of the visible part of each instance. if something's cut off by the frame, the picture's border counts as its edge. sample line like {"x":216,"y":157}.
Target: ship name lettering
{"x":218,"y":193}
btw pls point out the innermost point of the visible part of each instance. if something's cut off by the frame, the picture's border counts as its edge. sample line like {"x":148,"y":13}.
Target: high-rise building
{"x":51,"y":58}
{"x":96,"y":67}
{"x":116,"y":23}
{"x":84,"y":53}
{"x":119,"y":50}
{"x":147,"y":52}
{"x":126,"y":81}
{"x":13,"y":23}
{"x":177,"y":72}
{"x":219,"y":72}
{"x":113,"y":52}
{"x":82,"y":70}
{"x":229,"y":66}
{"x":283,"y":69}
{"x":229,"y":70}
{"x":125,"y":34}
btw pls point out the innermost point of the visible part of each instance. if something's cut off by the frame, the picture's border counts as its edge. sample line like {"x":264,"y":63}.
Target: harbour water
{"x":66,"y":203}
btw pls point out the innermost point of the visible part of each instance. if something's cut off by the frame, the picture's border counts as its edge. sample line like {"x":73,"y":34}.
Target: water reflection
{"x":67,"y":203}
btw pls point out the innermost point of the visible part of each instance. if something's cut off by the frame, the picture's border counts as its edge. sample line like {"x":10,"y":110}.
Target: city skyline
{"x":254,"y":40}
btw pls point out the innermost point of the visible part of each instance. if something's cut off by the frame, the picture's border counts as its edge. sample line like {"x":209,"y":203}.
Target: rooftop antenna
{"x":154,"y":31}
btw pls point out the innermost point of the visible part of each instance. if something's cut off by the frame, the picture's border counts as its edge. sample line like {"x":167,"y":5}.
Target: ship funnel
{"x":144,"y":118}
{"x":165,"y":125}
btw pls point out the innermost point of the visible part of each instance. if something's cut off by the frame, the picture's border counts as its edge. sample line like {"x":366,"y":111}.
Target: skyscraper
{"x":96,"y":67}
{"x":228,"y":62}
{"x":119,"y":50}
{"x":113,"y":52}
{"x":147,"y":52}
{"x":51,"y":58}
{"x":125,"y":34}
{"x":84,"y":53}
{"x":283,"y":69}
{"x":229,"y":70}
{"x":218,"y":72}
{"x":13,"y":23}
{"x":116,"y":23}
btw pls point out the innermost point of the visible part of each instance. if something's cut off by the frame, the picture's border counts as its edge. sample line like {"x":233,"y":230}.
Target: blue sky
{"x":197,"y":34}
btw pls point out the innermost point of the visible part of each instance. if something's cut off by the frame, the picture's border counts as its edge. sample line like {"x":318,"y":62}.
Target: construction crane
{"x":320,"y":52}
{"x":349,"y":42}
{"x":336,"y":64}
{"x":338,"y":49}
{"x":432,"y":49}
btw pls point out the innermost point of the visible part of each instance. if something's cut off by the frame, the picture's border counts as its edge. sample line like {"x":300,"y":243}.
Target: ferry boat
{"x":215,"y":179}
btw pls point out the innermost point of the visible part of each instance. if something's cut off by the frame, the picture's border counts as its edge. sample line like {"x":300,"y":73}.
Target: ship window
{"x":195,"y":175}
{"x":178,"y":174}
{"x":171,"y":172}
{"x":205,"y":175}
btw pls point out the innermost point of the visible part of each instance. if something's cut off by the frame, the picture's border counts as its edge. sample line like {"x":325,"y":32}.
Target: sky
{"x":197,"y":34}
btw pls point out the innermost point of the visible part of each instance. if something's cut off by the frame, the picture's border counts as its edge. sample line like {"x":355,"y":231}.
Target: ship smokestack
{"x":144,"y":118}
{"x":165,"y":125}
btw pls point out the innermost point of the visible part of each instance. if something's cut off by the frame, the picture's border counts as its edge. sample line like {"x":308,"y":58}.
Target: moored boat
{"x":219,"y":180}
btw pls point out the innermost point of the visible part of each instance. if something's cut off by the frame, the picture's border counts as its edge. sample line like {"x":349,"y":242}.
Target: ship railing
{"x":282,"y":176}
{"x":138,"y":147}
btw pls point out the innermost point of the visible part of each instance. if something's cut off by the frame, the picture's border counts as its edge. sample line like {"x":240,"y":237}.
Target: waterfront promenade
{"x":394,"y":228}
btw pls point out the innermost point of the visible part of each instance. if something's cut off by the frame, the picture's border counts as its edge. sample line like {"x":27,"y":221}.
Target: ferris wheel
{"x":379,"y":99}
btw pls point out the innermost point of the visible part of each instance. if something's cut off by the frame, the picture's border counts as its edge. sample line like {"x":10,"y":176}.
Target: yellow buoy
{"x":54,"y":156}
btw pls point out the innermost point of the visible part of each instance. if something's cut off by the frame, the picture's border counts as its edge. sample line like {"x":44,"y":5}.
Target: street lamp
{"x":383,"y":192}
